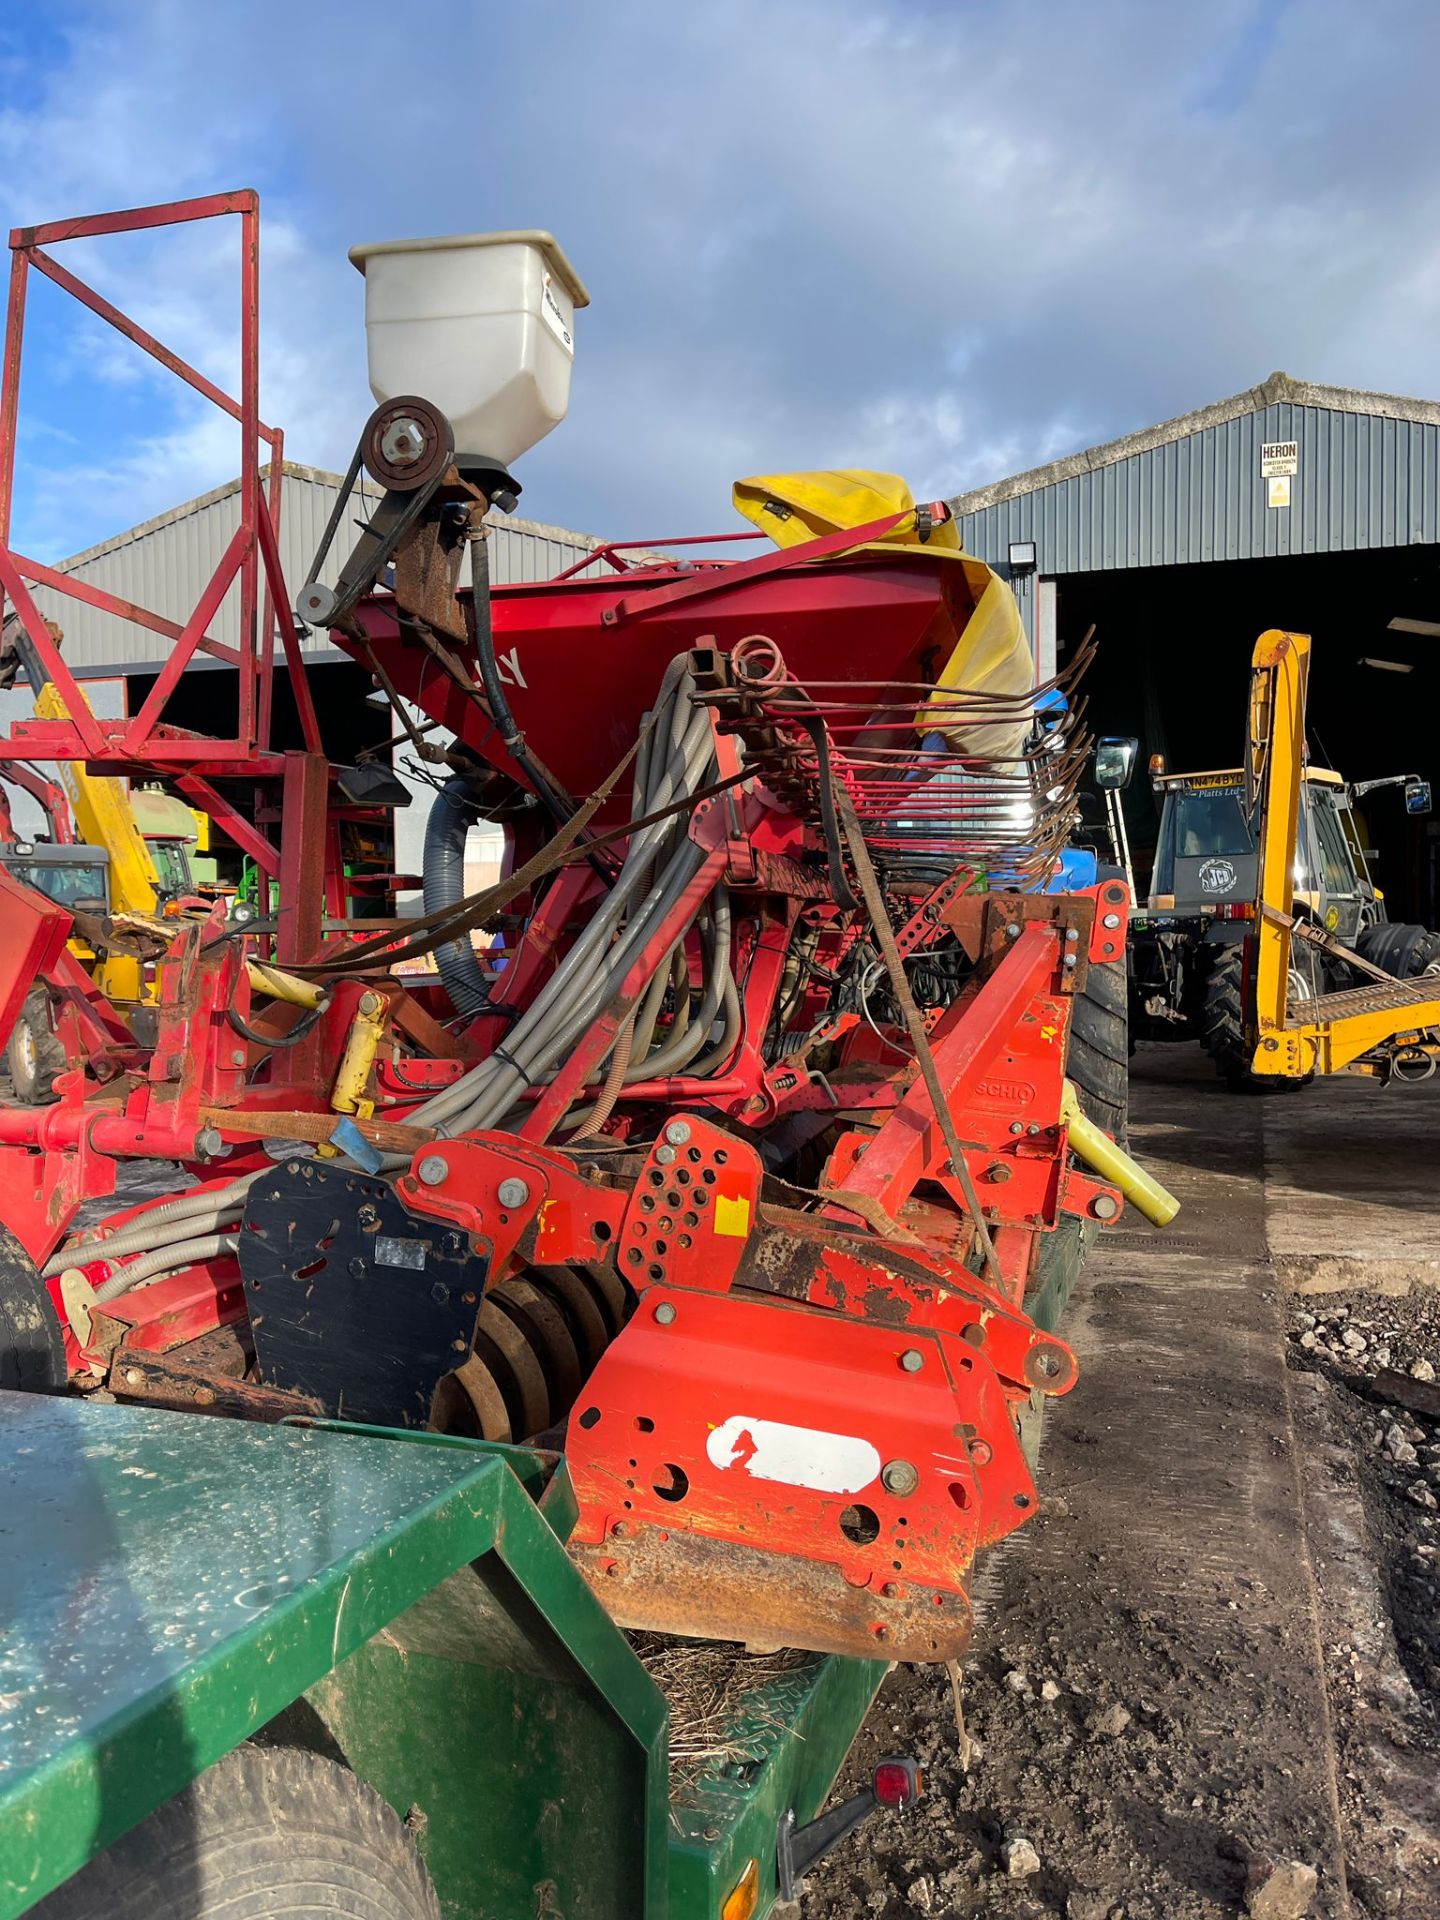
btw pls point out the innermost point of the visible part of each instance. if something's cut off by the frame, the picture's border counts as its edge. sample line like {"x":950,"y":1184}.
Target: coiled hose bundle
{"x":675,"y":760}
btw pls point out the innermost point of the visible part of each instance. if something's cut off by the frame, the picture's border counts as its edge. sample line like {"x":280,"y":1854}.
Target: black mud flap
{"x":353,"y":1299}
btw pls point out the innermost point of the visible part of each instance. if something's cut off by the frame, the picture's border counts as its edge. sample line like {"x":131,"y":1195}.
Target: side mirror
{"x":1417,"y":796}
{"x":1115,"y":762}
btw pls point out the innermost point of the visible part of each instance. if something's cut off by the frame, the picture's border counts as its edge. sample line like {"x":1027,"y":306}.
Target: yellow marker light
{"x":743,"y":1897}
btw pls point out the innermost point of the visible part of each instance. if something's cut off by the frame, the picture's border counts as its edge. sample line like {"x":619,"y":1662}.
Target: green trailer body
{"x":171,"y":1586}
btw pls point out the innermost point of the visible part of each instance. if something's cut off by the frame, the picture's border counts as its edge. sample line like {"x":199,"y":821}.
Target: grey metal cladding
{"x":165,"y":564}
{"x":1364,"y":479}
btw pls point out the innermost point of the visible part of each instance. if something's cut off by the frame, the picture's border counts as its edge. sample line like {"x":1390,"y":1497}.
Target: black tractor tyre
{"x":1098,"y":1063}
{"x":33,"y":1052}
{"x":1062,"y":1255}
{"x":267,"y":1831}
{"x":1401,"y":948}
{"x":1098,"y":1066}
{"x":1222,"y":1020}
{"x":32,"y":1350}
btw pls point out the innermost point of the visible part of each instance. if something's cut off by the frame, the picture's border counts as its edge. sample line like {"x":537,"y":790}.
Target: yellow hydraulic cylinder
{"x":367,"y":1030}
{"x":283,"y":986}
{"x":1112,"y":1163}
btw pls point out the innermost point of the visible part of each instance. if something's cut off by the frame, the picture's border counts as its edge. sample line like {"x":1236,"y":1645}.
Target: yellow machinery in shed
{"x":1387,"y":1028}
{"x":139,"y":845}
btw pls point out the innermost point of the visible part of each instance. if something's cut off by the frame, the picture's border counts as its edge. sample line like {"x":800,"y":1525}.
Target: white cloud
{"x":952,"y":240}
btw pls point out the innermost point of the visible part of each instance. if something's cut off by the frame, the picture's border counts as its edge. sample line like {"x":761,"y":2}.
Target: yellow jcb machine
{"x":1388,"y":1028}
{"x":126,"y":860}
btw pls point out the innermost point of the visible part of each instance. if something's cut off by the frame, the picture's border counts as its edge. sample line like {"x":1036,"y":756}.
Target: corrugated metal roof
{"x":1368,"y":475}
{"x":164,"y":565}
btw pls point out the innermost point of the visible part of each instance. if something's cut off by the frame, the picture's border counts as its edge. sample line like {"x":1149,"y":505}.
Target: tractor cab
{"x":72,"y":876}
{"x":1206,"y":863}
{"x":1205,"y":881}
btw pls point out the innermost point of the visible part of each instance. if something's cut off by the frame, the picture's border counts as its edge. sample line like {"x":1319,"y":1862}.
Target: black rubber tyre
{"x":1401,"y":948}
{"x":33,"y":1053}
{"x":1098,"y":1066}
{"x":1099,"y":1057}
{"x":32,"y":1352}
{"x":1222,"y":1020}
{"x":267,"y":1831}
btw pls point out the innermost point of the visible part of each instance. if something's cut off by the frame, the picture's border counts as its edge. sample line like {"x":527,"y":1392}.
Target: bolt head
{"x":1104,"y":1206}
{"x":403,"y":441}
{"x":664,"y":1155}
{"x":665,"y":1314}
{"x":678,"y":1132}
{"x":134,"y":1377}
{"x":432,"y":1170}
{"x":899,"y":1476}
{"x":1069,"y":961}
{"x":356,"y":1269}
{"x":237,"y":1057}
{"x":1013,"y":929}
{"x":1017,"y":1126}
{"x":1071,"y":937}
{"x":981,"y":1452}
{"x":512,"y":1193}
{"x":1111,"y":920}
{"x":912,"y":1360}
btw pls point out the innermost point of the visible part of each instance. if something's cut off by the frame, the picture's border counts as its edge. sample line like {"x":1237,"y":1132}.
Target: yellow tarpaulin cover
{"x":989,"y":652}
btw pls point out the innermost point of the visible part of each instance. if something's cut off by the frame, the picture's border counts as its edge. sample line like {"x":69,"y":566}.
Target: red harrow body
{"x":741,"y":1165}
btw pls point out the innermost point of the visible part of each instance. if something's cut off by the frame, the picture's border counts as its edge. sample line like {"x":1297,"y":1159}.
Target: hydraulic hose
{"x":451,"y":817}
{"x":495,"y":695}
{"x":660,"y":862}
{"x":171,"y":1259}
{"x":173,"y":1220}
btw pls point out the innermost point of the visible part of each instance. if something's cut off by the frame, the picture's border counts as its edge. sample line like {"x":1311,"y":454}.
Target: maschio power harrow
{"x":752,"y":1162}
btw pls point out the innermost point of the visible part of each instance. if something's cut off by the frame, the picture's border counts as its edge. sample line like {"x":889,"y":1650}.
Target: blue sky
{"x":951,"y":238}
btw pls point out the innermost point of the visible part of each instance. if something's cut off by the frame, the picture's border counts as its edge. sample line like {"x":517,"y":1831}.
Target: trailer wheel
{"x":33,"y":1053}
{"x":1222,"y":1021}
{"x":267,"y":1831}
{"x":1400,"y":948}
{"x":32,"y":1350}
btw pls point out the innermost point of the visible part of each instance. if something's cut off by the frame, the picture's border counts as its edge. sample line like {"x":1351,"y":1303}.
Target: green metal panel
{"x":170,"y":1583}
{"x":797,"y":1729}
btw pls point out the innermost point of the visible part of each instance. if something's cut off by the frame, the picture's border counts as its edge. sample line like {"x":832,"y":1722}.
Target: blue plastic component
{"x":349,"y":1139}
{"x":1078,"y":868}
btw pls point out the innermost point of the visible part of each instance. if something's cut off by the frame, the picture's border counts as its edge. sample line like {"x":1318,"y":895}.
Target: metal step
{"x":1396,"y":996}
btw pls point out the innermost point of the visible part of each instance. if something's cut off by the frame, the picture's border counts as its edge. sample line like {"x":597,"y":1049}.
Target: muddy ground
{"x":1206,"y":1679}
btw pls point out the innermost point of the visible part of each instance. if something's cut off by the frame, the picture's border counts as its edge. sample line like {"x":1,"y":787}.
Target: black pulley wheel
{"x":406,"y":444}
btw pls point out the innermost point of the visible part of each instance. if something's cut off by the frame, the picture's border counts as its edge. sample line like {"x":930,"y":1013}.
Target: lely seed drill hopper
{"x":750,"y":1164}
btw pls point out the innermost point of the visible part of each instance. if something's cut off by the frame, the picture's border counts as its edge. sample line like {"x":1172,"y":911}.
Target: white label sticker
{"x":552,"y":316}
{"x":1279,"y":457}
{"x":795,"y":1456}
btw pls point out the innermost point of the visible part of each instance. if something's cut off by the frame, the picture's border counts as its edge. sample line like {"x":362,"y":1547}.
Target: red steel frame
{"x":858,"y":1325}
{"x":144,"y":742}
{"x":143,"y":739}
